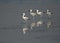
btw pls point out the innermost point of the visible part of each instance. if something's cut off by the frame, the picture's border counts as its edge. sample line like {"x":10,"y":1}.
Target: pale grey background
{"x":10,"y":18}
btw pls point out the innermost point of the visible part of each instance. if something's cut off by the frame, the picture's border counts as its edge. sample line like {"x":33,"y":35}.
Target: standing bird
{"x":39,"y":23}
{"x":24,"y":17}
{"x":39,"y":12}
{"x":24,"y":30}
{"x":33,"y":25}
{"x":49,"y":13}
{"x":32,"y":13}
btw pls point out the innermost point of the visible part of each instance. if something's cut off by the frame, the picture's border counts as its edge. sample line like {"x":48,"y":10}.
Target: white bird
{"x":39,"y":12}
{"x":39,"y":23}
{"x":49,"y":13}
{"x":33,"y":25}
{"x":49,"y":24}
{"x":24,"y":17}
{"x":32,"y":13}
{"x":24,"y":30}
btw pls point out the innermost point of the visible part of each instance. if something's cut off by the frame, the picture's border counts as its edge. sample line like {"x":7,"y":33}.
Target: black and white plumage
{"x":39,"y":12}
{"x":32,"y":13}
{"x":24,"y":17}
{"x":49,"y":13}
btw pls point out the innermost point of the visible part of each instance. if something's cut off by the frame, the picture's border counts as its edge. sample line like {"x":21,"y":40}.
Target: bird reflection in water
{"x":33,"y":25}
{"x":39,"y":12}
{"x":39,"y":23}
{"x":25,"y":30}
{"x":49,"y":23}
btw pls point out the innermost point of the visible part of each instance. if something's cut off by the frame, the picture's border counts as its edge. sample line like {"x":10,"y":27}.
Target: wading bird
{"x":24,"y":17}
{"x":32,"y":13}
{"x":49,"y":13}
{"x":39,"y":12}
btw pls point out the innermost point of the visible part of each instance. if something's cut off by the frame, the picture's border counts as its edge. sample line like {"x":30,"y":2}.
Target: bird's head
{"x":23,"y":13}
{"x":30,"y":10}
{"x":47,"y":9}
{"x":37,"y":10}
